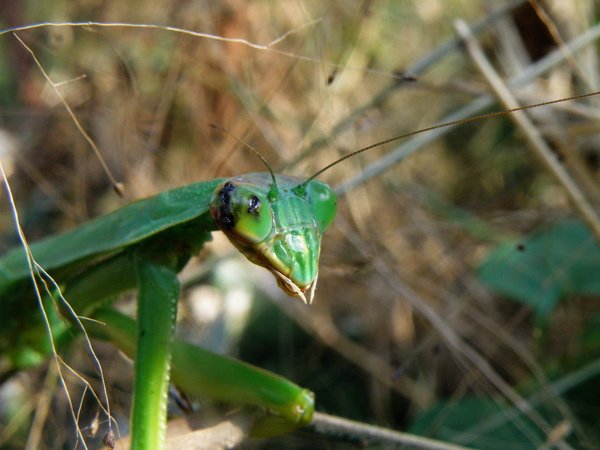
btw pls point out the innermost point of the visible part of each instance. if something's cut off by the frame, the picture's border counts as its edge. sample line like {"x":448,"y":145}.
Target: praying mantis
{"x":275,"y":221}
{"x":91,"y":273}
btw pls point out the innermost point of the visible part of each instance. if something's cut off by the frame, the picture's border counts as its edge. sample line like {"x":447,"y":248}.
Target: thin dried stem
{"x":371,"y":434}
{"x":261,"y":47}
{"x":117,"y":185}
{"x":33,"y":276}
{"x":42,"y":408}
{"x":475,"y":107}
{"x":532,"y":135}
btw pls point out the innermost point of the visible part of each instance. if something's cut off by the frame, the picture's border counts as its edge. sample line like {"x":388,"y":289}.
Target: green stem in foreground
{"x":158,"y":292}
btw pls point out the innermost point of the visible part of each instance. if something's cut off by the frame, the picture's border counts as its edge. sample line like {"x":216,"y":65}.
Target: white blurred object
{"x":9,"y":145}
{"x":222,"y":310}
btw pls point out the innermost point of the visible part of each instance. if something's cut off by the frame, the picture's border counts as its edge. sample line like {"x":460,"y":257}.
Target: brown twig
{"x":371,"y":434}
{"x":532,"y":135}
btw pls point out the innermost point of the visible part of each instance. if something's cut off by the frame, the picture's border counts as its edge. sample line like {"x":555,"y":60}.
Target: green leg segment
{"x":202,"y":374}
{"x":196,"y":371}
{"x":158,"y":292}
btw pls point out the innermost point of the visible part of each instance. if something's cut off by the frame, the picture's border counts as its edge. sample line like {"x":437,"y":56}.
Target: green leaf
{"x":545,"y":267}
{"x":590,"y":337}
{"x":476,"y":422}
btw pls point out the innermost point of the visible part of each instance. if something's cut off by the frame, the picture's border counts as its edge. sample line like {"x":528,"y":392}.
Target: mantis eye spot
{"x":242,"y":211}
{"x":227,"y":189}
{"x":226,"y":217}
{"x":253,"y":205}
{"x":227,"y":220}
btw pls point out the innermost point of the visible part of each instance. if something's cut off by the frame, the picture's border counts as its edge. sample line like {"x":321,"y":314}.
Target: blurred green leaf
{"x":545,"y":267}
{"x":468,"y":421}
{"x":8,"y":82}
{"x":590,"y":337}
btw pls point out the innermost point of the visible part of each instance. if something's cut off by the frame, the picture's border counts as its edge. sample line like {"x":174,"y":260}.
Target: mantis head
{"x":277,"y":223}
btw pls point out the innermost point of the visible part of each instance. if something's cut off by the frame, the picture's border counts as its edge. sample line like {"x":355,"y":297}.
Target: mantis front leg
{"x":158,"y":293}
{"x":198,"y":372}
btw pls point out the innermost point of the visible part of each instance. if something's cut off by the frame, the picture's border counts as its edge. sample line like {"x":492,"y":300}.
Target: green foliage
{"x":545,"y":267}
{"x":590,"y":337}
{"x":476,"y":422}
{"x":8,"y":87}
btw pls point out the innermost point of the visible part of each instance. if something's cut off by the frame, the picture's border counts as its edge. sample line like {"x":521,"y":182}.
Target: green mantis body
{"x":277,"y":222}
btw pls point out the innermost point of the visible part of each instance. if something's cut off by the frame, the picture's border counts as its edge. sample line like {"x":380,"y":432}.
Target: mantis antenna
{"x":442,"y":125}
{"x":249,"y":147}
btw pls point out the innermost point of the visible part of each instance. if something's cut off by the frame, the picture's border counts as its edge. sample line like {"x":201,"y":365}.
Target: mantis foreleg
{"x":158,"y":292}
{"x":201,"y":373}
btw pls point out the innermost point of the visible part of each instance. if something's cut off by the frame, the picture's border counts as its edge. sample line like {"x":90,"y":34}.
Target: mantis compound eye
{"x":254,"y":205}
{"x":322,"y":202}
{"x":244,"y":214}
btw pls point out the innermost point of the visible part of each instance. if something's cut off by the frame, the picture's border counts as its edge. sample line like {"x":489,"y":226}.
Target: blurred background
{"x":458,"y":288}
